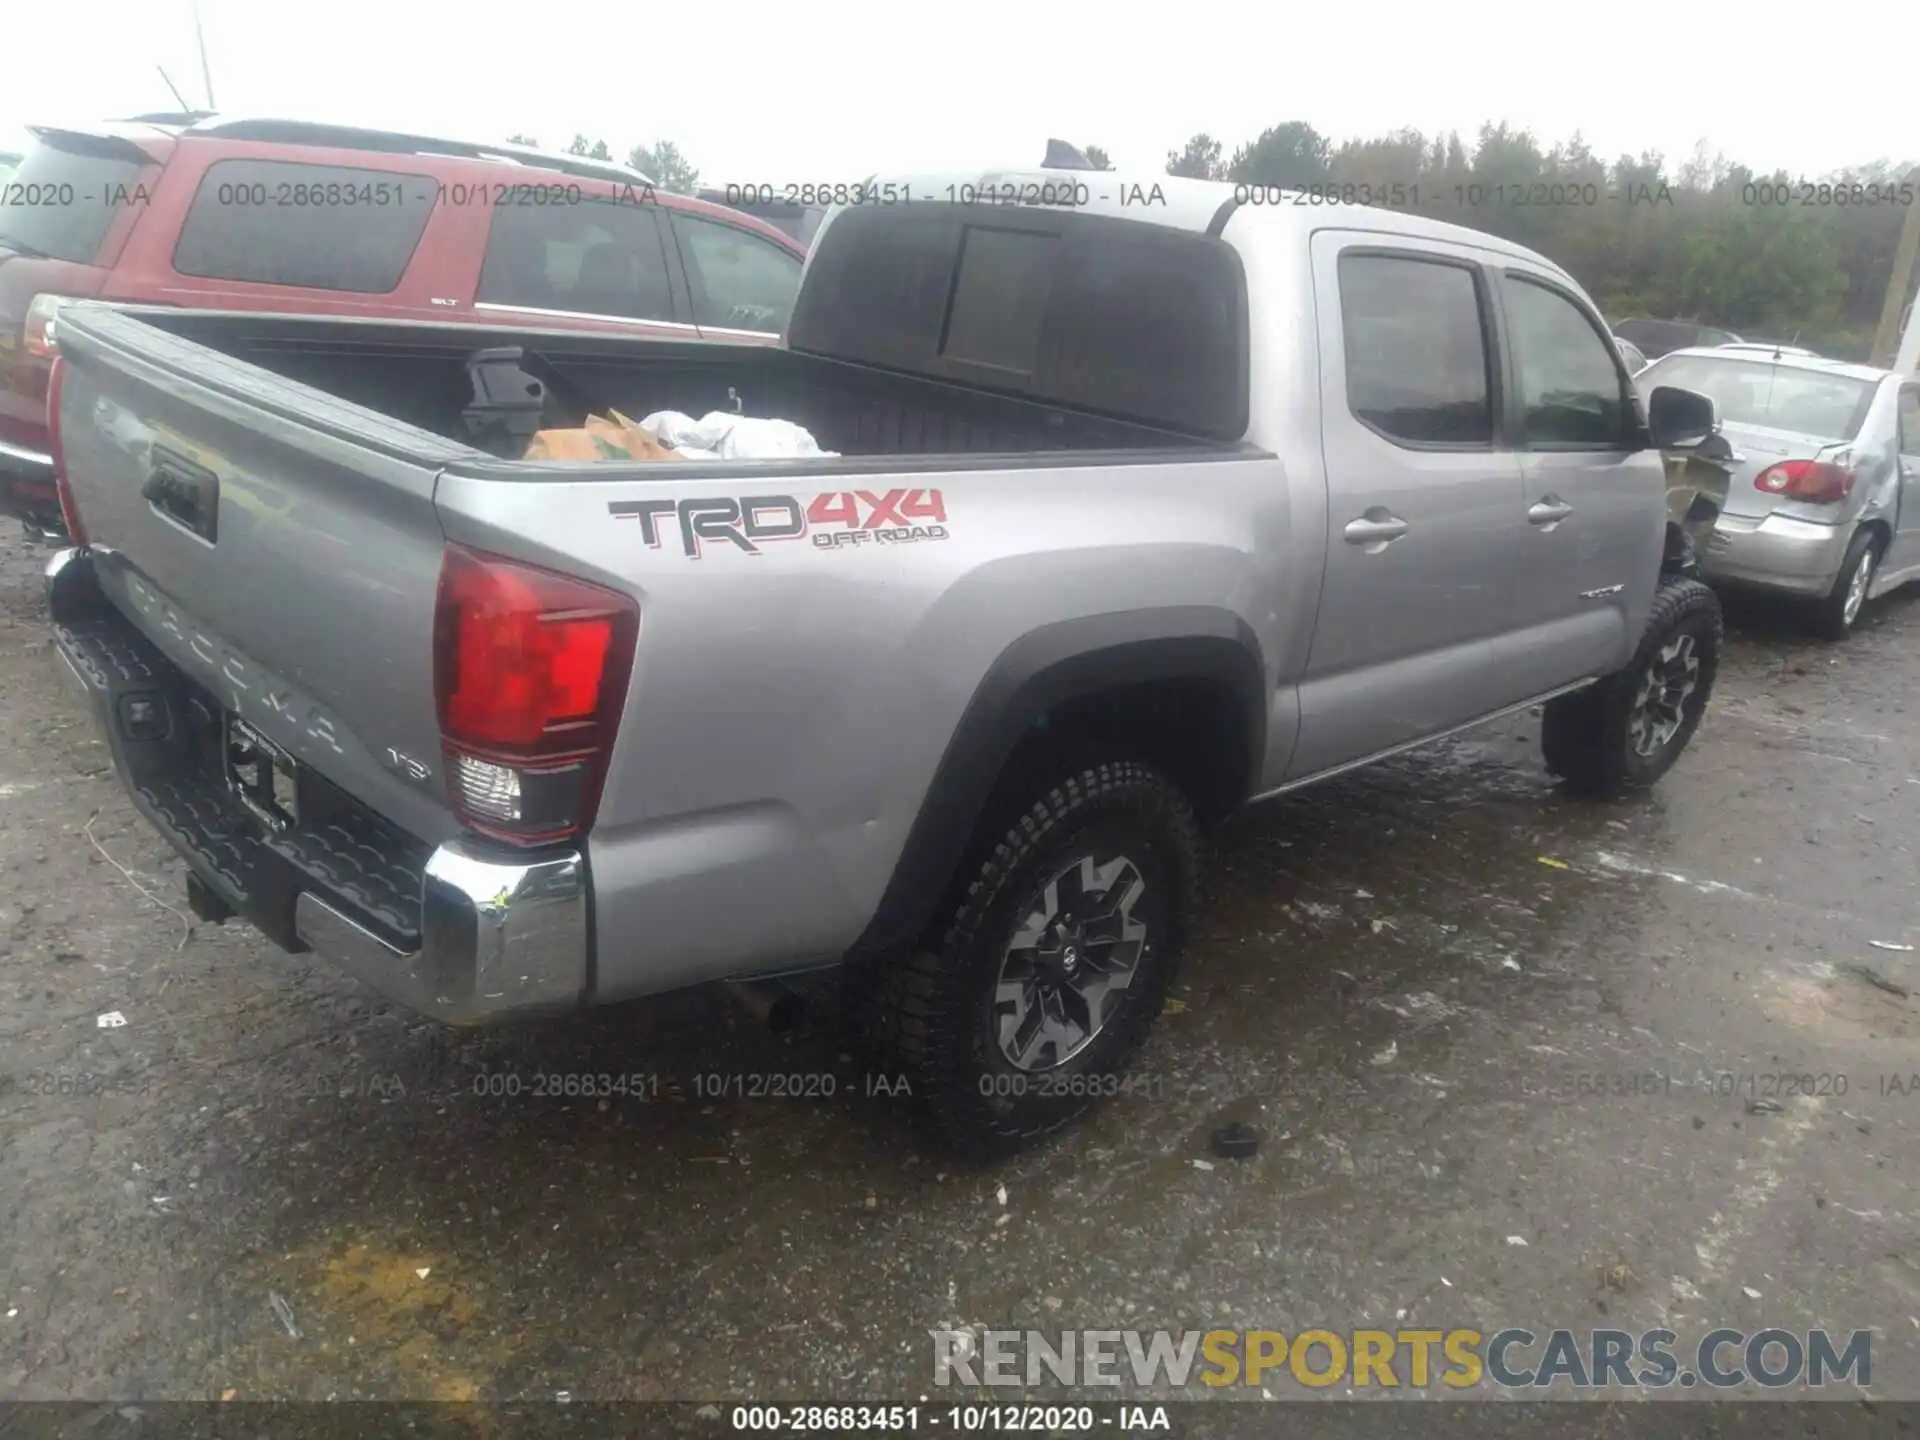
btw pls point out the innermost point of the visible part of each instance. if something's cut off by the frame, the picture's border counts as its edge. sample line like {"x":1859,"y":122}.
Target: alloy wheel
{"x":1858,"y":586}
{"x":1660,"y":705}
{"x":1074,"y":953}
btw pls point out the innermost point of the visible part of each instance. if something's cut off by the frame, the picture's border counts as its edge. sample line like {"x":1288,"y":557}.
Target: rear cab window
{"x":1777,"y":397}
{"x":1140,"y":322}
{"x":584,"y":253}
{"x":319,"y":227}
{"x":62,"y":200}
{"x":1417,"y":358}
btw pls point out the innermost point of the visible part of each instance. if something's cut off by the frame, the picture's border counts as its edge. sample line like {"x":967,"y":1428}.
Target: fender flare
{"x":1036,"y":673}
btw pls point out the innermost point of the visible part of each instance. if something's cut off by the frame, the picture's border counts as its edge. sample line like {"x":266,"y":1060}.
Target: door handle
{"x":1378,"y":528}
{"x":1548,"y":512}
{"x":185,"y":493}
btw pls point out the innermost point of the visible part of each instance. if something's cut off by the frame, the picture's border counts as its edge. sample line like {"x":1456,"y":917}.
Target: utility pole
{"x":1907,"y":362}
{"x":1899,"y":287}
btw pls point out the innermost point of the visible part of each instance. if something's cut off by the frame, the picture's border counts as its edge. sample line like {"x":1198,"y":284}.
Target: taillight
{"x":62,"y":486}
{"x":529,"y":674}
{"x":40,"y":337}
{"x":1817,"y":480}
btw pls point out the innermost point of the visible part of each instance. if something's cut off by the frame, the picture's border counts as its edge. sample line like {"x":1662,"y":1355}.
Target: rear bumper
{"x":465,"y":933}
{"x":499,"y":939}
{"x":1775,"y":553}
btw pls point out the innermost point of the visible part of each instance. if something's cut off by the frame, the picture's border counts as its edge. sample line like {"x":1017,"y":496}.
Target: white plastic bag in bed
{"x":720,"y":436}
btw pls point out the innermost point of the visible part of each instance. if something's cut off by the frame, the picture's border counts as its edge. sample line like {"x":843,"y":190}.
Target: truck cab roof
{"x":1205,"y":207}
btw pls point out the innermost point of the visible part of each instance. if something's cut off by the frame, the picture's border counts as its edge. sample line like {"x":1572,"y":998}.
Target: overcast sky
{"x":833,"y":91}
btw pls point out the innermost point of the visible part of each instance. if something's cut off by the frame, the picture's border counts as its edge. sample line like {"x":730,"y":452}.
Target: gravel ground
{"x":1399,"y":980}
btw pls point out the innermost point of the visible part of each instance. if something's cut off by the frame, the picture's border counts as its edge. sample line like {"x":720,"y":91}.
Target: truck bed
{"x":420,"y":375}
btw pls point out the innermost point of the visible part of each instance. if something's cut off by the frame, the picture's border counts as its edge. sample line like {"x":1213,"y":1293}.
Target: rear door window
{"x":597,"y":257}
{"x":1910,"y":423}
{"x":318,"y":227}
{"x":739,"y":280}
{"x":1416,"y":346}
{"x":62,"y":200}
{"x":1571,"y":391}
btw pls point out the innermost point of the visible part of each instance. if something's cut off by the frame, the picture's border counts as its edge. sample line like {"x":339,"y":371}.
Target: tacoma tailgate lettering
{"x":222,"y":669}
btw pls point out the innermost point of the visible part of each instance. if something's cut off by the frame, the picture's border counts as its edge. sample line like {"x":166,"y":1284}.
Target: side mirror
{"x":1680,"y":419}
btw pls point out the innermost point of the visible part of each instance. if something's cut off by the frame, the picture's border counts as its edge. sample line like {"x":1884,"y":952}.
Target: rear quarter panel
{"x":788,"y":708}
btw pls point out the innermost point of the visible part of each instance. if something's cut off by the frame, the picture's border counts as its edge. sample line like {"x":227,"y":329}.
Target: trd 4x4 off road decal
{"x":833,"y":519}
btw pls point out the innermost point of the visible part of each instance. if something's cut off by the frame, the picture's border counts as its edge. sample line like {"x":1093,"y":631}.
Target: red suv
{"x":306,"y":218}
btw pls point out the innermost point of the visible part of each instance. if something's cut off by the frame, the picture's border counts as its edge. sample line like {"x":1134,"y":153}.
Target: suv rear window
{"x":65,"y":194}
{"x":791,"y":217}
{"x":320,"y":227}
{"x":600,"y":257}
{"x":740,"y":280}
{"x":1781,"y":397}
{"x":1132,"y":320}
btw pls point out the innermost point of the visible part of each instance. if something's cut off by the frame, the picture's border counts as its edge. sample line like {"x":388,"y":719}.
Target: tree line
{"x":660,"y":162}
{"x":1707,"y":239}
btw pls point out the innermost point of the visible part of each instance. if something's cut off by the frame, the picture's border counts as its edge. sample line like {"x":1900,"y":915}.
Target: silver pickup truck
{"x":1145,"y":506}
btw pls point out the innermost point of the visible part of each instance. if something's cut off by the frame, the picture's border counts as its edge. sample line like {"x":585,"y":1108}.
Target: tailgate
{"x":278,"y":544}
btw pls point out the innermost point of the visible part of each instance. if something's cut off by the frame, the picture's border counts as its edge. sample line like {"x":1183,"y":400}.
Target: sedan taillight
{"x":1818,"y":481}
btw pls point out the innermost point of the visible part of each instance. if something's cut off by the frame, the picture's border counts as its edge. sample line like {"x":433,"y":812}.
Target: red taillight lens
{"x":530,"y":673}
{"x":40,"y":330}
{"x":62,"y":487}
{"x":1816,"y":480}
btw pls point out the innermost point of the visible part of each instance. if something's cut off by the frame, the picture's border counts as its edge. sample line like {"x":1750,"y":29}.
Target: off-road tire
{"x":934,"y":1007}
{"x":1586,"y":736}
{"x":1830,"y":614}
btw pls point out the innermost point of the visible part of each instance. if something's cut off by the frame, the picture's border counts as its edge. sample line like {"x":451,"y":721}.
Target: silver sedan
{"x":1824,"y":497}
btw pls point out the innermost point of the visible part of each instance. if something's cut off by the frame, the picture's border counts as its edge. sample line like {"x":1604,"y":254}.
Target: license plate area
{"x":261,"y":775}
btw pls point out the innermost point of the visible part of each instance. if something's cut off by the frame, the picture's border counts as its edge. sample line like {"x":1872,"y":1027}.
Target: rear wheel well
{"x":1193,"y":730}
{"x":1881,"y":531}
{"x":1184,"y":693}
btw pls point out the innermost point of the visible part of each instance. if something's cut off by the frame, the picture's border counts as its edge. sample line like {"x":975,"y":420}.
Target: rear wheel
{"x":1841,"y":609}
{"x":1053,"y":963}
{"x":1624,"y":732}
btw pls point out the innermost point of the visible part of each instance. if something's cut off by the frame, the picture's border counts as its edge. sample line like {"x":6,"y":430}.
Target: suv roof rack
{"x":393,"y":142}
{"x":167,"y":117}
